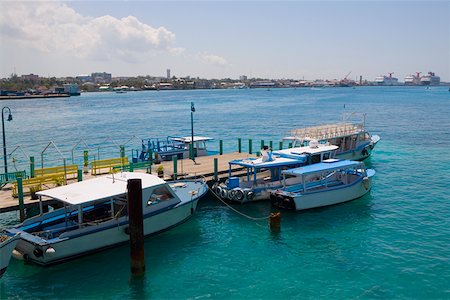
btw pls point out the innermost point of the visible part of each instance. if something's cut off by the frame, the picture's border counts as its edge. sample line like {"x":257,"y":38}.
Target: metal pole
{"x":192,"y":130}
{"x":250,"y":146}
{"x":32,"y":166}
{"x":220,"y":147}
{"x":4,"y":138}
{"x":239,"y":145}
{"x":175,"y":167}
{"x":136,"y":224}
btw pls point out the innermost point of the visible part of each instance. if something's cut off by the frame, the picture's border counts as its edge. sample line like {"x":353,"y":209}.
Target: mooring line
{"x":236,"y":211}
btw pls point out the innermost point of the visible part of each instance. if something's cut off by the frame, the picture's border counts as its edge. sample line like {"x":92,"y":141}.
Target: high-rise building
{"x":168,"y":73}
{"x":243,"y":78}
{"x":101,"y":77}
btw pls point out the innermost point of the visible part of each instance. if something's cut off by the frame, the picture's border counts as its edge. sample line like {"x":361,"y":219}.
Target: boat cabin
{"x":98,"y":201}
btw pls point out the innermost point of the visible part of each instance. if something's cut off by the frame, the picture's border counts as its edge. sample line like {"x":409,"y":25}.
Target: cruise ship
{"x":430,"y":79}
{"x":413,"y":79}
{"x":386,"y":80}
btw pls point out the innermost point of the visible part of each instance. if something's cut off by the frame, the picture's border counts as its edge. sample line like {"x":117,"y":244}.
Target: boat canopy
{"x":188,"y":139}
{"x":323,"y":132}
{"x":295,"y":152}
{"x":100,"y":188}
{"x":258,"y":163}
{"x":326,"y":165}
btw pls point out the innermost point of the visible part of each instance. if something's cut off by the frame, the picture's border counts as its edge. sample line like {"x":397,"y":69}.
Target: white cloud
{"x":56,"y":27}
{"x":212,"y":59}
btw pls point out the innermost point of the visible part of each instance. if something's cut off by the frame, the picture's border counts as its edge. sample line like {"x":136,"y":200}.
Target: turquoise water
{"x":392,"y":243}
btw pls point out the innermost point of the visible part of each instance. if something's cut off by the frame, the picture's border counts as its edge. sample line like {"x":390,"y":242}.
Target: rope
{"x":236,"y":211}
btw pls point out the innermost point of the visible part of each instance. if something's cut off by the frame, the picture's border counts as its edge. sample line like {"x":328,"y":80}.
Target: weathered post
{"x":239,"y":145}
{"x":280,"y":147}
{"x":262,"y":144}
{"x":216,"y":168}
{"x":250,"y":146}
{"x":85,"y":162}
{"x":20,"y":195}
{"x":32,"y":166}
{"x":136,"y":227}
{"x":80,"y":175}
{"x":175,"y":167}
{"x":274,"y":222}
{"x":220,"y":147}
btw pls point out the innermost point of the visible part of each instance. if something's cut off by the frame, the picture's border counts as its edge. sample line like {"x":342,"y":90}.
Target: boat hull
{"x":6,"y":249}
{"x":98,"y":237}
{"x":332,"y":196}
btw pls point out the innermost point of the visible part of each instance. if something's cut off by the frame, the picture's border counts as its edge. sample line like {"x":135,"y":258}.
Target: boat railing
{"x":323,"y":132}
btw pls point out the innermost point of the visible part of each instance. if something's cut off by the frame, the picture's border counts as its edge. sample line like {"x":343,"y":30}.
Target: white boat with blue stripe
{"x":94,"y":215}
{"x":7,"y":243}
{"x":327,"y":183}
{"x":264,"y":173}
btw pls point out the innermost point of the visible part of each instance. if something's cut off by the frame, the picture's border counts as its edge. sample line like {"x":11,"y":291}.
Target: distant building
{"x":101,"y":77}
{"x":168,"y":73}
{"x":30,"y":77}
{"x":84,"y":78}
{"x":71,"y":89}
{"x":243,"y":78}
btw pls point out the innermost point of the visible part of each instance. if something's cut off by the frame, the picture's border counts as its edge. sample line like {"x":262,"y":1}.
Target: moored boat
{"x":7,"y":243}
{"x":166,"y":148}
{"x":353,"y":140}
{"x":264,"y":173}
{"x":327,"y":183}
{"x":94,"y":215}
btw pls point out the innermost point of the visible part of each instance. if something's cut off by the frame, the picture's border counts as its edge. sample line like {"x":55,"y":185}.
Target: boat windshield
{"x":160,"y":194}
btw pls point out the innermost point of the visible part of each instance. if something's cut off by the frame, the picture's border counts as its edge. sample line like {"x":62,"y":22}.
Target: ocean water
{"x":392,"y":243}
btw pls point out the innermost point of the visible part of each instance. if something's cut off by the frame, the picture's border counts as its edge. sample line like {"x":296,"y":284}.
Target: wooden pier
{"x":186,"y":168}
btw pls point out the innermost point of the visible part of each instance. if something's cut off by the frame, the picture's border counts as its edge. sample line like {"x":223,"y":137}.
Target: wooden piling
{"x":80,"y":175}
{"x":271,"y":145}
{"x":136,"y":227}
{"x":20,"y":195}
{"x":239,"y":145}
{"x":280,"y":147}
{"x":262,"y":144}
{"x":32,"y":166}
{"x":250,"y":146}
{"x":274,"y":221}
{"x":216,"y":169}
{"x":220,"y":147}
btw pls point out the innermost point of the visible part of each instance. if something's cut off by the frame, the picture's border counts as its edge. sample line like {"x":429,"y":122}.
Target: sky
{"x":226,"y":39}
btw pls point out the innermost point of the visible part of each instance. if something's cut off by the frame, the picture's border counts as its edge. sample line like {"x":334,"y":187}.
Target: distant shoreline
{"x":34,"y":96}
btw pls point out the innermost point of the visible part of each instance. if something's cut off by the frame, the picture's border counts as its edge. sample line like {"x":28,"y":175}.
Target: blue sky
{"x":220,"y":39}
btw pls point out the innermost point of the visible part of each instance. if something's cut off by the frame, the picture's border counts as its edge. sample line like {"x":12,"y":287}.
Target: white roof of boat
{"x":258,"y":162}
{"x":188,"y":139}
{"x":307,"y":150}
{"x":99,"y":188}
{"x":326,"y":165}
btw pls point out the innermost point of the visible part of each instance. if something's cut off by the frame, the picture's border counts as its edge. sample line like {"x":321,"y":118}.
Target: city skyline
{"x":293,"y":39}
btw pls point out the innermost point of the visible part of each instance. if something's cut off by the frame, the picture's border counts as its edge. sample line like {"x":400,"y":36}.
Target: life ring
{"x":224,"y":193}
{"x":366,"y":183}
{"x":239,"y":195}
{"x":249,"y":196}
{"x":232,"y":195}
{"x":38,"y":252}
{"x":218,"y":190}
